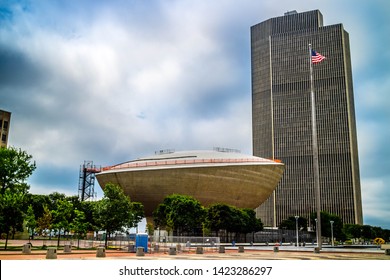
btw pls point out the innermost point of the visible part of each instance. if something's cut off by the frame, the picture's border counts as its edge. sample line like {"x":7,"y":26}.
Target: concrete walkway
{"x":250,"y":252}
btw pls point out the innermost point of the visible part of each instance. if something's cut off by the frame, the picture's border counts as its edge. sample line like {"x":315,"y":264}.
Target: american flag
{"x":316,"y":57}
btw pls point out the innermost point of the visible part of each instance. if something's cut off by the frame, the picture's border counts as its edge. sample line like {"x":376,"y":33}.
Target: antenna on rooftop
{"x":289,"y":13}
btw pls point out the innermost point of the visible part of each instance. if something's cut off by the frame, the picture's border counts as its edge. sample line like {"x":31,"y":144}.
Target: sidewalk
{"x":251,"y":252}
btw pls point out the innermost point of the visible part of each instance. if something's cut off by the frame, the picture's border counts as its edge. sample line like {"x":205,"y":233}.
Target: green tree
{"x":54,"y":198}
{"x":11,"y":212}
{"x":237,"y":221}
{"x":31,"y":222}
{"x":326,"y":227}
{"x":290,"y":223}
{"x":231,"y":219}
{"x":242,"y":221}
{"x":79,"y":225}
{"x":114,"y":211}
{"x":181,"y":213}
{"x":137,"y":213}
{"x":352,"y":231}
{"x":365,"y":232}
{"x":218,"y":217}
{"x":89,"y":208}
{"x":150,"y":228}
{"x":160,"y":215}
{"x":368,"y":232}
{"x":44,"y":222}
{"x":251,"y":223}
{"x":62,"y":217}
{"x":37,"y":202}
{"x":15,"y":168}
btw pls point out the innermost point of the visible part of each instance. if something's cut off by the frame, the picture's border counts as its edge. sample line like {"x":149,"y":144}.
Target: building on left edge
{"x":5,"y":121}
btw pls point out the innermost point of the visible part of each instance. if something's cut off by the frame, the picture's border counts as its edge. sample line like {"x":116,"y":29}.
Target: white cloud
{"x":375,"y":194}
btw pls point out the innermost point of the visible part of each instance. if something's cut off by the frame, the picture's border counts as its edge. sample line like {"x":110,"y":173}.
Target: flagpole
{"x":272,"y":128}
{"x":315,"y":154}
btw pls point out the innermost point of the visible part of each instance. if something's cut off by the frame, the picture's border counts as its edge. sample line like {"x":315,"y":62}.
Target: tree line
{"x":333,"y":224}
{"x":184,"y":215}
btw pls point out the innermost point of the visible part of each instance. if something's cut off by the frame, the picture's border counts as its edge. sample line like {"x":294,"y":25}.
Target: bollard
{"x":51,"y":253}
{"x":276,"y":249}
{"x":26,"y":248}
{"x":131,"y":248}
{"x":221,"y":249}
{"x":241,"y":249}
{"x":172,"y":251}
{"x":101,"y":252}
{"x":199,"y":250}
{"x":67,"y":248}
{"x":387,"y":252}
{"x":317,"y":250}
{"x":140,"y":252}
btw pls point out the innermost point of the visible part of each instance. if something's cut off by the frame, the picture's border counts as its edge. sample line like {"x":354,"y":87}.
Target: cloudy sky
{"x":111,"y":81}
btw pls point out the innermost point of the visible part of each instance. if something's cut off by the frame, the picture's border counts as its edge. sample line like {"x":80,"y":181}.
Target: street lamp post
{"x":316,"y":230}
{"x":296,"y":224}
{"x":331,"y":230}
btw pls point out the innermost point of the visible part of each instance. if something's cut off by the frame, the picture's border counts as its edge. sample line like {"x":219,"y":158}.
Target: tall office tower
{"x":281,"y":116}
{"x":5,"y":119}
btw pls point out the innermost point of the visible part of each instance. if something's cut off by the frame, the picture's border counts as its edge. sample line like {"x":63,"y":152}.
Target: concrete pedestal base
{"x":26,"y":248}
{"x":199,"y":250}
{"x":101,"y":252}
{"x":140,"y":252}
{"x":67,"y":248}
{"x":51,"y":253}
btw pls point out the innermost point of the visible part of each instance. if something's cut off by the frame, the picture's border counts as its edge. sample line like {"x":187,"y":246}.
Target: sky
{"x":112,"y":81}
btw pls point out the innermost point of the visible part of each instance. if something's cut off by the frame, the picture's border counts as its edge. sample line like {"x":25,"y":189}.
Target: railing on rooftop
{"x":183,"y":162}
{"x":226,"y":150}
{"x":165,"y":151}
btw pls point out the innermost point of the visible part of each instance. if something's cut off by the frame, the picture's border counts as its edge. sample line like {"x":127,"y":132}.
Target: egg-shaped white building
{"x":212,"y":176}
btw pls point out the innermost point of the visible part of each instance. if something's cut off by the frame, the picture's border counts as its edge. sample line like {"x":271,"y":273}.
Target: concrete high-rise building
{"x":5,"y":120}
{"x":281,"y":116}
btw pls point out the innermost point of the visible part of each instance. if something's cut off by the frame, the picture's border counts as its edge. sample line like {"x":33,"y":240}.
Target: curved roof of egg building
{"x":210,"y":176}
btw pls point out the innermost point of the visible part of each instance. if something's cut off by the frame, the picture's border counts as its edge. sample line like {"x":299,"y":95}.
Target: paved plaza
{"x":250,"y":252}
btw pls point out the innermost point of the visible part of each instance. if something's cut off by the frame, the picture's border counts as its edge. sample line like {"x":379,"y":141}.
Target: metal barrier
{"x":183,"y":161}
